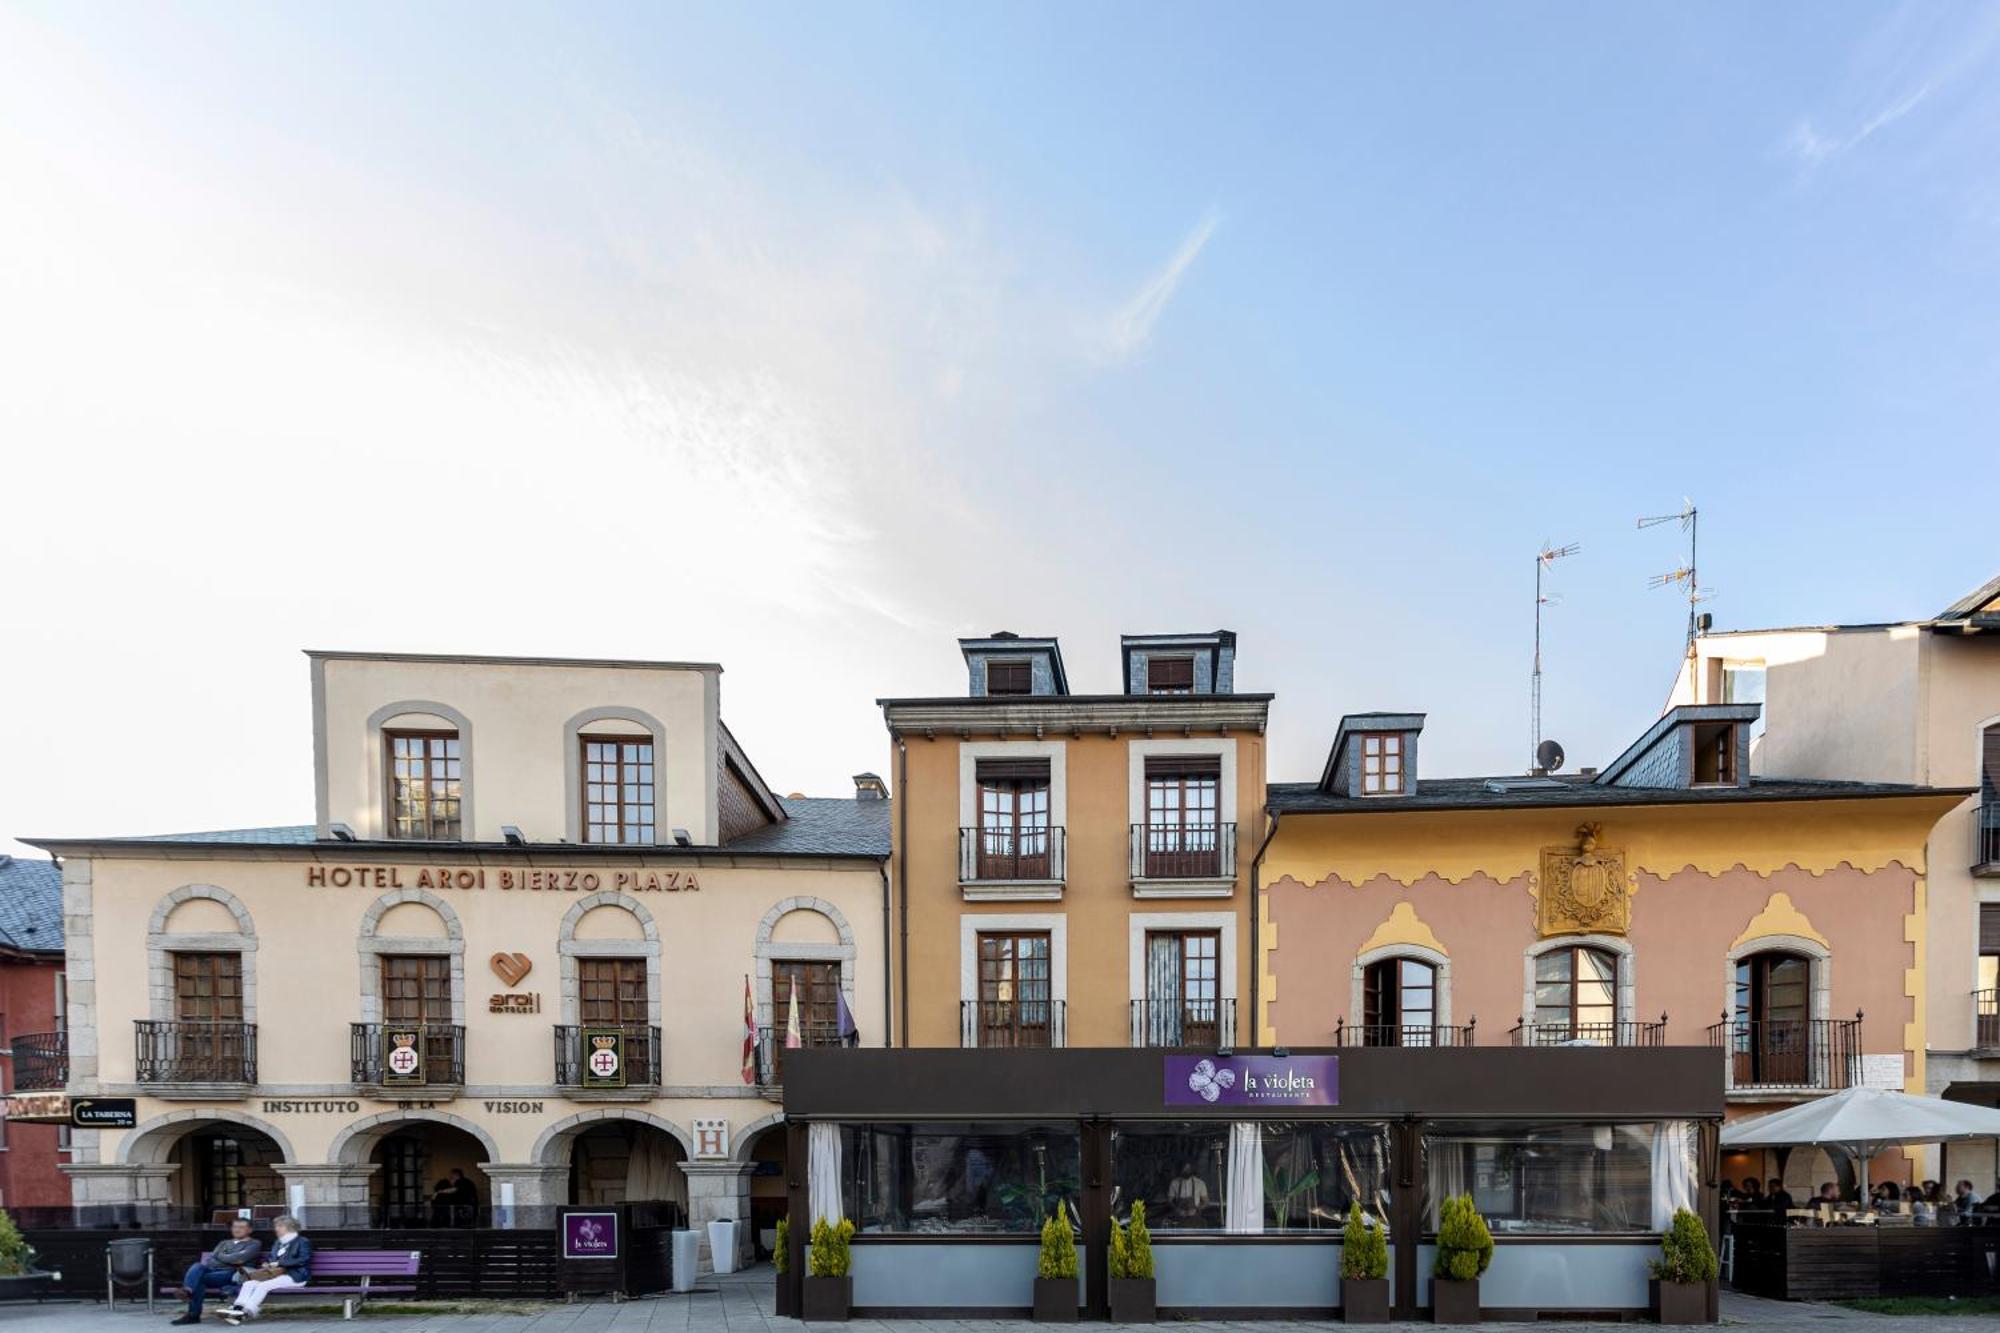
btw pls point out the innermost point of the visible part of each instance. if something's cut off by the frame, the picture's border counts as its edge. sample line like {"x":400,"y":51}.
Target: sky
{"x":808,"y":338}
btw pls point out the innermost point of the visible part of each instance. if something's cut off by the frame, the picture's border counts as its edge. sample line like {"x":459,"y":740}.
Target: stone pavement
{"x":741,"y":1303}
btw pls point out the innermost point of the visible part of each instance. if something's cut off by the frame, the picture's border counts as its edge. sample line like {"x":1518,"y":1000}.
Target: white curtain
{"x":1163,"y":992}
{"x":1444,"y":1169}
{"x":1673,"y":1170}
{"x":823,"y":1171}
{"x":1244,"y":1180}
{"x":651,"y":1172}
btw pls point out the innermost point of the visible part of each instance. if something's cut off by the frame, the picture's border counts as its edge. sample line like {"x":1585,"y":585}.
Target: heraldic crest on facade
{"x":1584,"y":889}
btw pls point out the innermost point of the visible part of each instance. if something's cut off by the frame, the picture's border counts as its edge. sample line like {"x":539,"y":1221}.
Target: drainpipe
{"x":888,"y":995}
{"x":1256,"y":939}
{"x":902,"y":799}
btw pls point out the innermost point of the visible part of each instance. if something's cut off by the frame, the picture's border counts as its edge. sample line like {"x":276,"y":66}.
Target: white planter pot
{"x":722,"y":1245}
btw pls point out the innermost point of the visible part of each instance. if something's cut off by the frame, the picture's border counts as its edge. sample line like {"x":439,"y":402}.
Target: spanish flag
{"x":749,"y":1034}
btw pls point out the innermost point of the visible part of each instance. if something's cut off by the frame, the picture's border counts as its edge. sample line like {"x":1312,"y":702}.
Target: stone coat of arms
{"x":1584,"y":889}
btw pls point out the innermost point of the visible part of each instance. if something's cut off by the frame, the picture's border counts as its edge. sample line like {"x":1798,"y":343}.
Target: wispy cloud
{"x":1812,"y":147}
{"x":1919,"y":54}
{"x":1130,"y":327}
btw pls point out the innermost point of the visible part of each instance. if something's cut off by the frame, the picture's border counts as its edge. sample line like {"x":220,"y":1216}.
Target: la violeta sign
{"x":1253,"y":1080}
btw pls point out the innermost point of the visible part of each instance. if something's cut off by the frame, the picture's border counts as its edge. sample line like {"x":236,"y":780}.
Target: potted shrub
{"x":1364,"y":1269}
{"x":781,"y":1259}
{"x":19,"y":1278}
{"x":1684,"y":1273}
{"x":1055,"y":1274}
{"x":1464,"y":1249}
{"x":1132,"y":1287}
{"x":829,"y":1286}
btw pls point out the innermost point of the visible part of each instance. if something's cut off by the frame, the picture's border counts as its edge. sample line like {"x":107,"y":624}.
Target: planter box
{"x":827,"y":1298}
{"x":1133,"y":1301}
{"x":27,"y":1286}
{"x":1679,"y":1302}
{"x":1454,"y":1302}
{"x":1364,"y":1300}
{"x":784,"y":1306}
{"x":1055,"y":1300}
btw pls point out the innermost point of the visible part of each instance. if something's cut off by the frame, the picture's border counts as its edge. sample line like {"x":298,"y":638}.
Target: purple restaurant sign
{"x":1253,"y":1080}
{"x":590,"y":1236}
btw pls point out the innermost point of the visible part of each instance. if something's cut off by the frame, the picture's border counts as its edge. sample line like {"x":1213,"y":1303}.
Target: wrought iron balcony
{"x":1627,"y":1033}
{"x":1403,"y":1034}
{"x":440,"y":1049}
{"x":1184,"y":1022}
{"x":1003,"y":853}
{"x":1785,"y":1055}
{"x":1183,"y":851}
{"x":1986,"y":839}
{"x":180,"y":1051}
{"x":1012,"y":1023}
{"x":41,"y":1061}
{"x":1985,"y":1022}
{"x":641,"y":1051}
{"x":771,"y":1049}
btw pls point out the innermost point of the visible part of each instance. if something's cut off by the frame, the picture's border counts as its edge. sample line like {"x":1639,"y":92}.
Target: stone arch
{"x":1812,"y":949}
{"x":552,"y":1146}
{"x":369,"y":948}
{"x":741,"y":1140}
{"x":162,"y":945}
{"x":570,"y":949}
{"x":768,"y":951}
{"x":152,"y":1142}
{"x":1616,"y":945}
{"x":573,"y":765}
{"x":377,"y":765}
{"x":353,"y":1144}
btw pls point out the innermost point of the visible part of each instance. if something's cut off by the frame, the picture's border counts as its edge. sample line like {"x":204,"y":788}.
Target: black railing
{"x":1985,"y":1022}
{"x":1807,"y":1054}
{"x":1184,"y":1022}
{"x":1183,"y":851}
{"x":41,"y":1061}
{"x":771,"y":1047}
{"x":1986,"y":838}
{"x":188,"y":1051}
{"x":1403,"y":1034}
{"x":1012,"y":1023}
{"x":641,"y":1053}
{"x":440,"y":1048}
{"x":1011,"y":852}
{"x":1626,"y":1033}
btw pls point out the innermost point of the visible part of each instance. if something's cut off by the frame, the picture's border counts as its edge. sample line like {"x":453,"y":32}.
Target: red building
{"x":33,"y":1036}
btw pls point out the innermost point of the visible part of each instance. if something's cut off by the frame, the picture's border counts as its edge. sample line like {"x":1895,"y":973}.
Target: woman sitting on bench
{"x":289,"y":1265}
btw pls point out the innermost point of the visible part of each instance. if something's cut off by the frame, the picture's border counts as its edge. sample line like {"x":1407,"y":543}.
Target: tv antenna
{"x":1683,"y":576}
{"x":1544,"y":559}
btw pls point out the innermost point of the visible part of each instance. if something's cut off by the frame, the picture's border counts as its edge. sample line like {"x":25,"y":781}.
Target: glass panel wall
{"x":1311,"y":1171}
{"x":958,"y":1178}
{"x":1535,"y":1178}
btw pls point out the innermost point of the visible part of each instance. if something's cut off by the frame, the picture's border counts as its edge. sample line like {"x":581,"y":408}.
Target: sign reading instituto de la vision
{"x":485,"y":877}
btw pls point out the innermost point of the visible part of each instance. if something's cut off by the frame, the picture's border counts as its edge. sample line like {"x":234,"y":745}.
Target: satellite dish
{"x":1549,"y":754}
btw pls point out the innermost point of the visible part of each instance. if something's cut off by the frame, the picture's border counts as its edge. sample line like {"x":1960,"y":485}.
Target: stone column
{"x":120,"y":1195}
{"x":536,"y":1191}
{"x":328,"y":1194}
{"x":720,"y":1191}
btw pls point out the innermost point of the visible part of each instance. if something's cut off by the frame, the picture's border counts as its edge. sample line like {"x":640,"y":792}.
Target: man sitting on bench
{"x":221,"y":1269}
{"x":290,"y":1265}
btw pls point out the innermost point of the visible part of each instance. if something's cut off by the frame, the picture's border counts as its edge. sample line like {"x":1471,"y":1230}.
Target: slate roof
{"x":1573,"y":790}
{"x":1974,"y":602}
{"x":30,"y":905}
{"x":824,"y":826}
{"x":283,"y":835}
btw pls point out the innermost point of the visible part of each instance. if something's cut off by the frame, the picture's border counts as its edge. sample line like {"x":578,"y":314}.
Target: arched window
{"x":1576,"y":995}
{"x":1399,"y":1003}
{"x":1773,"y":1013}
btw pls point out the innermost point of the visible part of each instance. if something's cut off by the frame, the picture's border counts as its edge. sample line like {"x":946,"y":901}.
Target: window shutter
{"x":1989,"y":928}
{"x":1013,"y":770}
{"x":1184,"y":766}
{"x":1989,"y":767}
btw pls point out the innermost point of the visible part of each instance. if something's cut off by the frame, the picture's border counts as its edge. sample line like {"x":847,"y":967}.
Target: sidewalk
{"x":741,"y":1303}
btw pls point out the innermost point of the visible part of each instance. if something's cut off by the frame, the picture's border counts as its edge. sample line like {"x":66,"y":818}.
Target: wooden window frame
{"x":432,"y":979}
{"x":1387,"y":757}
{"x":1175,"y":661}
{"x":429,"y":826}
{"x":1185,"y":838}
{"x":1382,"y":992}
{"x":1017,"y":841}
{"x":630,"y":993}
{"x":1016,"y":964}
{"x":628,"y":831}
{"x":1573,"y":1024}
{"x":1722,"y":737}
{"x":188,"y":967}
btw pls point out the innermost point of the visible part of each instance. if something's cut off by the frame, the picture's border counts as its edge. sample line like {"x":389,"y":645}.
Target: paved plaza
{"x":742,"y":1304}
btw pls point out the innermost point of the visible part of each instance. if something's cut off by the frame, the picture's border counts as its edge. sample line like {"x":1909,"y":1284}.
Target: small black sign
{"x":403,"y":1057}
{"x":603,"y":1058}
{"x":104,"y":1113}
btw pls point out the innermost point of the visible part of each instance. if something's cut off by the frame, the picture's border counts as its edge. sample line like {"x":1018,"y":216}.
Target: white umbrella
{"x":1862,"y":1122}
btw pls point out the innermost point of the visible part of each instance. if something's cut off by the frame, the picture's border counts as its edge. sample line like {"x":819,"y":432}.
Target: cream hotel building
{"x":516,"y":941}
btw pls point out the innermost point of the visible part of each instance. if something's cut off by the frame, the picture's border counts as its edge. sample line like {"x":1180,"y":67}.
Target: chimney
{"x":869,"y":787}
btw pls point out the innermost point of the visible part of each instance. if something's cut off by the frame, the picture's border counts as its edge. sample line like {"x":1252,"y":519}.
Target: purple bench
{"x":352,"y":1274}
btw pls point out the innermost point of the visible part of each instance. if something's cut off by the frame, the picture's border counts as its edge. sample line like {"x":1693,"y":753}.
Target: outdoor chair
{"x":128,"y":1263}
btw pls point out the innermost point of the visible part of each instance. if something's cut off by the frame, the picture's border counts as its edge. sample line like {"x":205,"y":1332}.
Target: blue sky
{"x":806,"y":338}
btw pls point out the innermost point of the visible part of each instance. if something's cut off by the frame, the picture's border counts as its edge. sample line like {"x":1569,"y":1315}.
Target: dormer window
{"x":1715,"y":754}
{"x":425,"y":777}
{"x":1381,"y":763}
{"x":1170,"y":675}
{"x":1015,"y":677}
